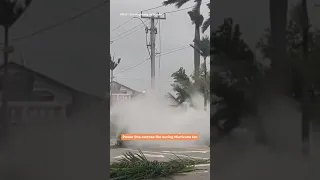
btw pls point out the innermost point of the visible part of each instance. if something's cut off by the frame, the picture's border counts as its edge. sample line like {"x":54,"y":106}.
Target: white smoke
{"x":152,"y":114}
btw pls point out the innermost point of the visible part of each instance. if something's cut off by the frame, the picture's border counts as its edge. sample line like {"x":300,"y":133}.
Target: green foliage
{"x":184,"y":85}
{"x":206,"y":23}
{"x":194,"y":14}
{"x":227,"y":41}
{"x":138,"y":167}
{"x":294,"y":46}
{"x":232,"y":58}
{"x":233,"y":67}
{"x":204,"y":46}
{"x":11,"y":11}
{"x":294,"y":41}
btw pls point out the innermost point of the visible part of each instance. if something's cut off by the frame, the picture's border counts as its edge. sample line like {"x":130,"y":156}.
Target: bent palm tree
{"x":10,"y":12}
{"x":197,"y":20}
{"x":204,"y":51}
{"x":183,"y":85}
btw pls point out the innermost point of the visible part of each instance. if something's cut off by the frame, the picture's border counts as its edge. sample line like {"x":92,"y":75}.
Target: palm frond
{"x":177,"y":3}
{"x":11,"y":11}
{"x":176,"y":100}
{"x":206,"y":24}
{"x":137,"y":166}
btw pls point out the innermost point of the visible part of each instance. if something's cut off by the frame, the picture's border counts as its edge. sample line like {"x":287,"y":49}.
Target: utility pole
{"x":153,"y":32}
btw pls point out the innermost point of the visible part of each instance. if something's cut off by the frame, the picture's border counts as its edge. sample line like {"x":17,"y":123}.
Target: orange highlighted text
{"x":157,"y":137}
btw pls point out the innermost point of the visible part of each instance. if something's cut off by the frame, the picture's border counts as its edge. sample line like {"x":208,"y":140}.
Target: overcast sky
{"x":253,"y":16}
{"x":77,"y":53}
{"x":176,"y":31}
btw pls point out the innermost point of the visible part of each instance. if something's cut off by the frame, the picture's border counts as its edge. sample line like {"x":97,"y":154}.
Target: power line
{"x":181,"y":48}
{"x":63,"y":22}
{"x":142,"y":79}
{"x":77,"y":16}
{"x":169,"y":12}
{"x":145,"y":60}
{"x":125,"y":35}
{"x":133,"y":17}
{"x":127,"y":69}
{"x":121,"y":25}
{"x":137,"y":27}
{"x":153,"y":8}
{"x":178,"y":10}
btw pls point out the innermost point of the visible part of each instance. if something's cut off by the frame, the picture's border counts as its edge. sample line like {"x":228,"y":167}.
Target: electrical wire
{"x":183,"y":9}
{"x":129,"y":68}
{"x":79,"y":15}
{"x":137,"y":27}
{"x":134,"y":17}
{"x":168,"y":12}
{"x":62,"y":22}
{"x":154,"y":8}
{"x":122,"y":24}
{"x":145,"y":60}
{"x":142,"y":79}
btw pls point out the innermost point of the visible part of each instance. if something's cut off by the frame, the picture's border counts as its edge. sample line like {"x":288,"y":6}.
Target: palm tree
{"x":278,"y":25}
{"x":113,"y":65}
{"x":204,"y":50}
{"x":197,"y":20}
{"x":306,"y":98}
{"x":183,"y":86}
{"x":10,"y":12}
{"x":206,"y":23}
{"x":277,"y":84}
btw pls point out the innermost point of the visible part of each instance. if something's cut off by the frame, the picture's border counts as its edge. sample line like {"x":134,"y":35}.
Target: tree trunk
{"x":306,"y":85}
{"x":279,"y":67}
{"x":196,"y":55}
{"x":205,"y":85}
{"x":273,"y":97}
{"x":4,"y":118}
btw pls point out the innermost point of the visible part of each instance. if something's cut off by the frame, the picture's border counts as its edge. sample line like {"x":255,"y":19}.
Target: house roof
{"x":113,"y":89}
{"x":53,"y":81}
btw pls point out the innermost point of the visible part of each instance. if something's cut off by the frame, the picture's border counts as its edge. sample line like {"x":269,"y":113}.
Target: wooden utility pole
{"x":153,"y":32}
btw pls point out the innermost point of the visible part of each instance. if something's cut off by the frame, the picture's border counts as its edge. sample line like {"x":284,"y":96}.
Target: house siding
{"x":62,"y":94}
{"x":52,"y":147}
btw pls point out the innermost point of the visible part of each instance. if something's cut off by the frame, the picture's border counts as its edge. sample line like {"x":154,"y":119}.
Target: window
{"x":43,"y":95}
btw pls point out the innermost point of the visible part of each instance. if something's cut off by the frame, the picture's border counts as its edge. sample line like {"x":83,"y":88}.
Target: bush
{"x":119,"y":142}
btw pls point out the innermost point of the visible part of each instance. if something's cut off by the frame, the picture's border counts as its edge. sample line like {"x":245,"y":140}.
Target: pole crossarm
{"x":153,"y":32}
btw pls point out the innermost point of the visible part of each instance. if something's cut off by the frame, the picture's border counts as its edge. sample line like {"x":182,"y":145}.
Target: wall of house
{"x":62,"y":94}
{"x":85,"y":105}
{"x":19,"y":84}
{"x":125,"y":90}
{"x":54,"y":149}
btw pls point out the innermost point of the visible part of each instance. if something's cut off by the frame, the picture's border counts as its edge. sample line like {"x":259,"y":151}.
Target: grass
{"x":138,"y":167}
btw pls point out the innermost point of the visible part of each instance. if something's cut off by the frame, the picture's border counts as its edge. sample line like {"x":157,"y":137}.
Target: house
{"x":121,"y":92}
{"x":30,"y":93}
{"x":50,"y":146}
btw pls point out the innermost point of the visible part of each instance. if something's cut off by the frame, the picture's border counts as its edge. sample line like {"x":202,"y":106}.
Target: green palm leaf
{"x":138,"y":167}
